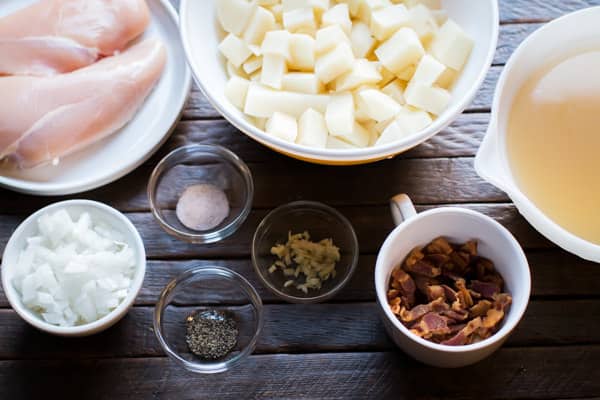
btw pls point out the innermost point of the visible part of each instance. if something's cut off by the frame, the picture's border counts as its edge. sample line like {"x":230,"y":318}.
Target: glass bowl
{"x":202,"y":289}
{"x":321,"y":222}
{"x":200,"y":164}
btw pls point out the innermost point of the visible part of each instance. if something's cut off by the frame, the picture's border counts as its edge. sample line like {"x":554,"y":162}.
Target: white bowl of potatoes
{"x":340,"y":81}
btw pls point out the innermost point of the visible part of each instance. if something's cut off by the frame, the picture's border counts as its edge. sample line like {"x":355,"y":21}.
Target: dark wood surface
{"x":336,"y":350}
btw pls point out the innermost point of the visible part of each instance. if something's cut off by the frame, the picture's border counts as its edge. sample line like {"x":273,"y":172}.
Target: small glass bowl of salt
{"x":201,"y":193}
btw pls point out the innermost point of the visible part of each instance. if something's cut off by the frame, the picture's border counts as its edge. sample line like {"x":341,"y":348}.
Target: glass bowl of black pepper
{"x":208,"y":319}
{"x":201,"y":193}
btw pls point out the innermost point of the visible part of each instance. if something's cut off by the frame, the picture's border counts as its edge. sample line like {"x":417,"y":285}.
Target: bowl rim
{"x":222,"y":272}
{"x":367,"y":154}
{"x":516,"y":309}
{"x":109,"y":319}
{"x":306,"y":205}
{"x":211,"y":236}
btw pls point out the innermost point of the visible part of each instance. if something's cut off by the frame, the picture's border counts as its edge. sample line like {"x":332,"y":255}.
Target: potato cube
{"x":277,"y":43}
{"x":362,"y":40}
{"x":377,"y":105}
{"x":255,"y":49}
{"x":432,"y":4}
{"x":283,"y":126}
{"x":359,"y":136}
{"x":329,"y":37}
{"x":413,"y":121}
{"x":273,"y":69}
{"x":320,"y":6}
{"x":407,"y":73}
{"x":256,"y":76}
{"x":312,"y":130}
{"x":262,"y":21}
{"x":338,"y":15}
{"x":432,"y":99}
{"x":232,"y":71}
{"x":385,"y":21}
{"x":252,"y":65}
{"x":234,"y":15}
{"x":302,"y":82}
{"x":303,"y":52}
{"x":277,"y":10}
{"x":299,"y":19}
{"x":390,"y":134}
{"x":428,"y":71}
{"x":422,"y":21}
{"x":235,"y":50}
{"x":447,"y":79}
{"x":267,"y":3}
{"x":340,"y":115}
{"x":262,"y":102}
{"x":363,"y":72}
{"x":367,"y":7}
{"x":395,"y":89}
{"x":400,"y":51}
{"x":386,"y":75}
{"x":235,"y":91}
{"x":452,"y":46}
{"x":335,"y":63}
{"x":338,"y":144}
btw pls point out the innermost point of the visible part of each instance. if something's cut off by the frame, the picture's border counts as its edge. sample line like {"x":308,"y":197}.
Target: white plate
{"x":122,"y":152}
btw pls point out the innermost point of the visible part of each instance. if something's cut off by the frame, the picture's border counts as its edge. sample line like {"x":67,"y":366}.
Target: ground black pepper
{"x":211,"y":334}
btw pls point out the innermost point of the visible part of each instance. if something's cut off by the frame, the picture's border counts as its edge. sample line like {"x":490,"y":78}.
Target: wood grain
{"x":531,"y":373}
{"x":539,"y":10}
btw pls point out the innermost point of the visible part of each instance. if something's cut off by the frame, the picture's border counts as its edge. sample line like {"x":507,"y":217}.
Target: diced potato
{"x":428,"y":71}
{"x":431,"y":99}
{"x":255,"y":49}
{"x":441,"y":16}
{"x":263,"y":102}
{"x":267,"y":2}
{"x":232,"y":71}
{"x":400,"y":51}
{"x":303,"y":52}
{"x":362,"y":40}
{"x":235,"y":50}
{"x":413,"y":121}
{"x":407,"y":73}
{"x":367,"y":7}
{"x":256,"y":76}
{"x":447,"y":79}
{"x":423,"y":22}
{"x":395,"y":89}
{"x":312,"y":130}
{"x":320,"y":6}
{"x":262,"y":21}
{"x":252,"y":64}
{"x":299,"y":19}
{"x":328,"y":38}
{"x":340,"y":115}
{"x":338,"y":144}
{"x":432,"y":4}
{"x":386,"y":75}
{"x":359,"y":136}
{"x":261,"y":123}
{"x":385,"y":21}
{"x":273,"y":69}
{"x":277,"y":43}
{"x":338,"y":15}
{"x":335,"y":63}
{"x":302,"y":82}
{"x":235,"y":91}
{"x":377,"y":105}
{"x":283,"y":126}
{"x":277,"y":10}
{"x":234,"y":15}
{"x":390,"y":134}
{"x":452,"y":46}
{"x":363,"y":72}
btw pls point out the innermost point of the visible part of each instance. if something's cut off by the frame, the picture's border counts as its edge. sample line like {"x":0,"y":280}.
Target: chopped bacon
{"x":405,"y":285}
{"x":464,"y":297}
{"x":487,"y":289}
{"x":470,"y":248}
{"x":480,"y":309}
{"x":418,"y":311}
{"x":455,"y":315}
{"x":460,"y":260}
{"x":414,"y":256}
{"x":432,"y":324}
{"x":464,"y":335}
{"x":396,"y":305}
{"x":439,"y":246}
{"x":435,"y":292}
{"x":425,"y":268}
{"x":451,"y":294}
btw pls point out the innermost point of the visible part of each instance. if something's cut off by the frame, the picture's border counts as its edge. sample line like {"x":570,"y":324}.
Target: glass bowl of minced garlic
{"x":305,"y":252}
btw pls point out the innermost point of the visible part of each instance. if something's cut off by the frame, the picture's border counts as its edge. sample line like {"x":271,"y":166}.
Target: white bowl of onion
{"x":73,"y":268}
{"x":347,"y":90}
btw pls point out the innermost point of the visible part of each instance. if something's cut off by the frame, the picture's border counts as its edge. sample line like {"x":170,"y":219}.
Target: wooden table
{"x":337,"y":349}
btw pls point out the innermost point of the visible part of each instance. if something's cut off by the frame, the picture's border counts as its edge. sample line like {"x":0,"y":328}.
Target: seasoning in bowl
{"x":448,"y":294}
{"x":211,"y":334}
{"x":202,"y":207}
{"x":300,"y":256}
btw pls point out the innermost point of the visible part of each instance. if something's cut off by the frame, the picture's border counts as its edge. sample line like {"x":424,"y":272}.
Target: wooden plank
{"x":531,"y":373}
{"x":539,"y":10}
{"x":292,"y":329}
{"x":511,"y":36}
{"x":371,"y":223}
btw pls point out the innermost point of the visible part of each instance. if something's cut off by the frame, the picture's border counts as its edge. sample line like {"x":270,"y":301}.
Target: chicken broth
{"x":553,"y":142}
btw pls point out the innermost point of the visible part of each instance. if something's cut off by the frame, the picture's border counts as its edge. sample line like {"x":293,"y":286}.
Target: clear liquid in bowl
{"x":553,"y":143}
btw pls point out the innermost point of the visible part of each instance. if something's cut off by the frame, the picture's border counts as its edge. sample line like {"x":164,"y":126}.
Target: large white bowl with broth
{"x":201,"y":34}
{"x":564,"y":37}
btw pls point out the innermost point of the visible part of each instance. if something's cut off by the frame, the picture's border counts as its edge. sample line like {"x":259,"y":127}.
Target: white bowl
{"x":201,"y":34}
{"x":553,"y":42}
{"x":29,"y":228}
{"x":457,"y":225}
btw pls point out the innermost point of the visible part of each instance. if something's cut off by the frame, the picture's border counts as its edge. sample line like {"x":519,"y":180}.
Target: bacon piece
{"x":487,"y":289}
{"x":432,"y":324}
{"x":461,"y":260}
{"x":424,"y":267}
{"x":435,"y":292}
{"x":405,"y":285}
{"x":464,"y":297}
{"x":422,"y":309}
{"x":451,"y":294}
{"x":438,"y":260}
{"x":464,"y":335}
{"x":439,"y":246}
{"x":396,"y":305}
{"x":470,"y":248}
{"x":455,"y":315}
{"x":423,"y":282}
{"x":480,"y":309}
{"x":414,"y":256}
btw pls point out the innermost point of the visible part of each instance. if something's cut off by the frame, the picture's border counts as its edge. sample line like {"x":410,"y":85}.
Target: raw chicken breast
{"x":56,"y":36}
{"x":50,"y":117}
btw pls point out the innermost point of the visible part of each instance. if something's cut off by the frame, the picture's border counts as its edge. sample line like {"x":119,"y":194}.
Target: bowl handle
{"x":402,"y":208}
{"x":487,"y":162}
